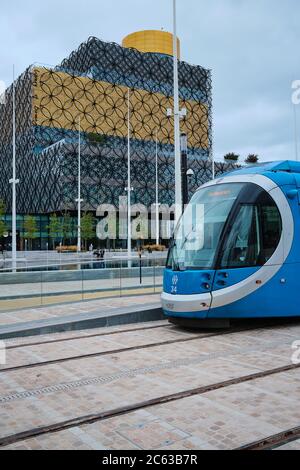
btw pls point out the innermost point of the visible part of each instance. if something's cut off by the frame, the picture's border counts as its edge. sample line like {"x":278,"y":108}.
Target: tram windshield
{"x":198,"y":233}
{"x":230,"y":225}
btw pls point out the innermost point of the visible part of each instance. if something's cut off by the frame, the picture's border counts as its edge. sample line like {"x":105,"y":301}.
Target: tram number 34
{"x":175,"y":280}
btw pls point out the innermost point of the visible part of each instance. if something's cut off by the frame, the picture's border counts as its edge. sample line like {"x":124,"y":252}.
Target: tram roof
{"x":284,"y":166}
{"x":285,"y":172}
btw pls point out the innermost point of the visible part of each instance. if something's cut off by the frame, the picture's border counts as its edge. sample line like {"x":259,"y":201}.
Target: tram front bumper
{"x":186,"y":305}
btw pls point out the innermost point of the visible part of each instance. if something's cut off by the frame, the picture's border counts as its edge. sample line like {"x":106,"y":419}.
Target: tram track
{"x":269,"y":442}
{"x":74,"y":338}
{"x":132,"y":348}
{"x":275,"y":441}
{"x":95,"y":335}
{"x":113,"y":351}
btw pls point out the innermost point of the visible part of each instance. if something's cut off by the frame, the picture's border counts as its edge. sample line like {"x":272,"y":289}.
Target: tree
{"x":252,"y":158}
{"x":87,"y":229}
{"x":232,"y":157}
{"x":54,"y":228}
{"x":30,"y":229}
{"x":3,"y":226}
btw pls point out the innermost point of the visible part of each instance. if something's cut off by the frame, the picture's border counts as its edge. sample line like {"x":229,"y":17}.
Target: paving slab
{"x":221,"y":419}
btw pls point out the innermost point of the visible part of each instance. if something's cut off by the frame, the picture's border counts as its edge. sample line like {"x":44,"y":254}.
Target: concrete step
{"x":119,"y":316}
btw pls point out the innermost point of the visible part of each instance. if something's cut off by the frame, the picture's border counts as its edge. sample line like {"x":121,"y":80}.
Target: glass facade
{"x":41,"y":239}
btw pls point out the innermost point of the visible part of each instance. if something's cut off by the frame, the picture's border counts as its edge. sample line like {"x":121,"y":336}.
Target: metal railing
{"x":69,"y":260}
{"x":102,"y":279}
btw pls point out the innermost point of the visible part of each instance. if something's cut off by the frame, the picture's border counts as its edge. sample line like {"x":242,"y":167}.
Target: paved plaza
{"x":136,"y":363}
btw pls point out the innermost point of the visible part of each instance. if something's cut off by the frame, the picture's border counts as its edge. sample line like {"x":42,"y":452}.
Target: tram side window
{"x":253,"y":238}
{"x":271,"y":231}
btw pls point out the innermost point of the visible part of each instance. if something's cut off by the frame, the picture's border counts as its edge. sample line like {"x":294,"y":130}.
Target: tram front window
{"x":198,"y":233}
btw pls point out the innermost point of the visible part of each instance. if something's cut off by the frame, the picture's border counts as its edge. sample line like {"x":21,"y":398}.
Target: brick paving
{"x":222,"y":419}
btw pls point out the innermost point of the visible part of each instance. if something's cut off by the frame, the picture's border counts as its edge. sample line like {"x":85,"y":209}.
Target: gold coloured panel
{"x":60,"y":99}
{"x":160,"y":42}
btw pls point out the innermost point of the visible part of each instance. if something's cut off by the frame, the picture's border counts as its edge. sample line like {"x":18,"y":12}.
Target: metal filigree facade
{"x":92,"y":84}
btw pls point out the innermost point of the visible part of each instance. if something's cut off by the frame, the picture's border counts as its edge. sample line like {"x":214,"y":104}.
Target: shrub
{"x":66,"y":249}
{"x":154,"y":247}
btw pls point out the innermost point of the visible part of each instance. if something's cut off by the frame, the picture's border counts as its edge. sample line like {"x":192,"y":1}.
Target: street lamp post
{"x":129,"y":189}
{"x":14,"y":181}
{"x":156,"y":191}
{"x":213,"y":171}
{"x":79,"y":200}
{"x":177,"y":114}
{"x":184,"y":169}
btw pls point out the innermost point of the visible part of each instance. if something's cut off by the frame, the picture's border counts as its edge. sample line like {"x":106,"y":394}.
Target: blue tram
{"x":236,"y":250}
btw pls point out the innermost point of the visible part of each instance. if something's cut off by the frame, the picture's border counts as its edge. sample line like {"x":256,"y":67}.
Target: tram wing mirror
{"x":294,"y":193}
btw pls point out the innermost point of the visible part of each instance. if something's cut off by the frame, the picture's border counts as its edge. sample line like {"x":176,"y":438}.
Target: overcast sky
{"x":252,"y":48}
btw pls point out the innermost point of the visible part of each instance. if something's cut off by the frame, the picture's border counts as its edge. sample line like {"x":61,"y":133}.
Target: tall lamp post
{"x":14,"y":181}
{"x":129,"y":189}
{"x":79,"y":200}
{"x":156,"y":191}
{"x":177,"y":115}
{"x":184,"y":169}
{"x":213,"y":171}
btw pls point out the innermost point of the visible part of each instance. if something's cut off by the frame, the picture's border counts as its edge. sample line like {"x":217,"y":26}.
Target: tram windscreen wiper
{"x":193,"y":229}
{"x":174,"y":265}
